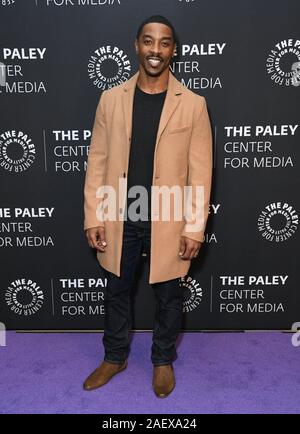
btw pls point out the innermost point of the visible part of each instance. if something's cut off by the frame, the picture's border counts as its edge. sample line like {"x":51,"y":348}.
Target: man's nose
{"x":156,"y":48}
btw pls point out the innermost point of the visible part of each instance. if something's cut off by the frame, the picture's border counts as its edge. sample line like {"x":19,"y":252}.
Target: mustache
{"x":154,"y":57}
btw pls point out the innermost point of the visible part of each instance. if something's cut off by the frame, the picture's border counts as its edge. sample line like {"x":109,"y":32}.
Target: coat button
{"x":124,"y":175}
{"x":120,"y":210}
{"x":156,"y":177}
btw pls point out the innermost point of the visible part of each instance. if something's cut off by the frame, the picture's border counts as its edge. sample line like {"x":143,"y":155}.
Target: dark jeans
{"x":169,"y":304}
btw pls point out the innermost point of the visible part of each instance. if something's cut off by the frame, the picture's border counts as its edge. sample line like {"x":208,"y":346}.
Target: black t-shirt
{"x":147,"y":110}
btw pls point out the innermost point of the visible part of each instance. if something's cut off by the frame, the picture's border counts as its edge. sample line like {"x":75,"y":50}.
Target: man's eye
{"x":147,"y":41}
{"x":165,"y":44}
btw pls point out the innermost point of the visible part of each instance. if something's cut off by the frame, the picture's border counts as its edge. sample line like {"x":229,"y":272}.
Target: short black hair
{"x":157,"y":19}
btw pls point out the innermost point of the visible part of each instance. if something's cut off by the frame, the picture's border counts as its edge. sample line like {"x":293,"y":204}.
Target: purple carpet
{"x":256,"y":372}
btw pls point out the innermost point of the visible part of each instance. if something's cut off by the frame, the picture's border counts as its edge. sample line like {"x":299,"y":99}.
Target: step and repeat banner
{"x":56,"y":57}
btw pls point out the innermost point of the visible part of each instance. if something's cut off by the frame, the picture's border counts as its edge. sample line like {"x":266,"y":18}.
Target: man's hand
{"x":189,"y":248}
{"x":96,"y":238}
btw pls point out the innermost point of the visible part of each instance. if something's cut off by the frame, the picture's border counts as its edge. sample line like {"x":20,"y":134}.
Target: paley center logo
{"x":109,"y":66}
{"x":17,"y":152}
{"x":24,"y":297}
{"x":192,"y":293}
{"x":278,"y":221}
{"x":188,"y":61}
{"x":283,"y":63}
{"x":81,"y":3}
{"x":7,"y":2}
{"x":17,"y":62}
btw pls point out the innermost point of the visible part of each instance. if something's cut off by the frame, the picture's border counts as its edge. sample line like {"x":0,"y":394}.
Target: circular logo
{"x":17,"y":152}
{"x":283,"y":63}
{"x":7,"y":2}
{"x":24,"y":297}
{"x":278,"y":221}
{"x":109,"y":66}
{"x":192,"y":293}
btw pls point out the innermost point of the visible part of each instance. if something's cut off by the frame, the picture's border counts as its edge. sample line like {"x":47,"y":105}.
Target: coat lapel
{"x":127,"y":103}
{"x":171,"y":103}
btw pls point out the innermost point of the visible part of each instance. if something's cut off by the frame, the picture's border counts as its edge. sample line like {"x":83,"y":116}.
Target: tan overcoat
{"x":183,"y":156}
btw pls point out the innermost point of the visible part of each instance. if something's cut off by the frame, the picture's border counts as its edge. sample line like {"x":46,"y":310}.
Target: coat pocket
{"x":179,"y":130}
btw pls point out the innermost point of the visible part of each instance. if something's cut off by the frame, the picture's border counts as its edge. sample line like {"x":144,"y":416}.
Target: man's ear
{"x":174,"y":51}
{"x":136,"y":46}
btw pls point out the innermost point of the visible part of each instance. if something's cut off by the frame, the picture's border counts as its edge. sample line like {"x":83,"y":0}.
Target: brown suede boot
{"x":103,"y":374}
{"x":163,"y":380}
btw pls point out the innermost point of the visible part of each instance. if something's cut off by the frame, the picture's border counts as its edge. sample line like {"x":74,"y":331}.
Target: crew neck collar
{"x":152,"y":94}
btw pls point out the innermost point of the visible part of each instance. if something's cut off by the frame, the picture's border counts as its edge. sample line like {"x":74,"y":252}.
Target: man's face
{"x":155,"y":48}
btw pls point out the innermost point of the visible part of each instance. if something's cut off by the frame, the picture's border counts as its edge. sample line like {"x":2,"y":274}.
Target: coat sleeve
{"x":96,"y":168}
{"x":199,"y":174}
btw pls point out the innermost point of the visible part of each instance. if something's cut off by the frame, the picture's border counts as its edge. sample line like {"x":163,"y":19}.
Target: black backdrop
{"x":240,"y":55}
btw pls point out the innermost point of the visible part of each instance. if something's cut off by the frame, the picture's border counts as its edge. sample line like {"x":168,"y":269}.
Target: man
{"x":149,"y":132}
